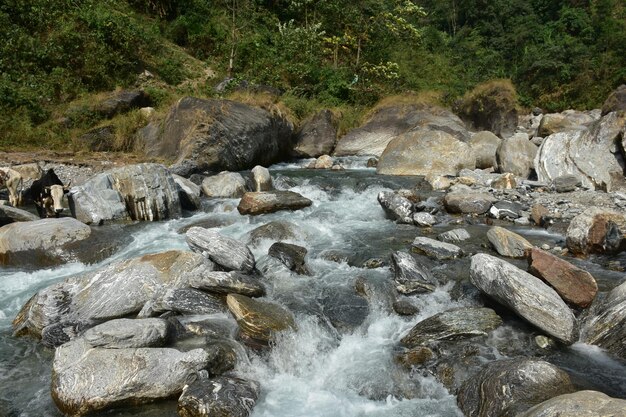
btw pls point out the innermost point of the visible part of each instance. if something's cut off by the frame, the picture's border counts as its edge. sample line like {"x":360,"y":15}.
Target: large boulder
{"x":225,"y":251}
{"x":508,"y":243}
{"x":41,"y":242}
{"x":271,"y":201}
{"x":259,"y":320}
{"x":113,"y":291}
{"x":485,"y":145}
{"x":576,"y":286}
{"x":217,"y":135}
{"x":569,"y":120}
{"x":188,"y":192}
{"x":410,"y":276}
{"x":525,"y":294}
{"x":605,"y":325}
{"x":425,"y":152}
{"x":579,"y":404}
{"x":147,"y":191}
{"x":224,"y":396}
{"x":592,"y":154}
{"x":224,"y":185}
{"x":596,"y":230}
{"x":86,"y":379}
{"x":616,"y":101}
{"x":317,"y":136}
{"x":9,"y":214}
{"x":517,"y":155}
{"x":508,"y":387}
{"x":491,"y":106}
{"x":390,"y":121}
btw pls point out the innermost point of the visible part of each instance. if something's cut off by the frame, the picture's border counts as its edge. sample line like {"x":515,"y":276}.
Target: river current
{"x":318,"y":371}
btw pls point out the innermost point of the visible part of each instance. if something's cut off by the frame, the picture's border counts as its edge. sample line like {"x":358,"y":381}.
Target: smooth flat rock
{"x":224,"y":396}
{"x":269,"y":202}
{"x":9,"y":214}
{"x":579,"y":404}
{"x":396,"y":207}
{"x":596,"y":230}
{"x":468,"y":202}
{"x":128,"y":333}
{"x":525,"y":294}
{"x":224,"y":185}
{"x":409,"y":276}
{"x":605,"y":325}
{"x":435,"y":249}
{"x":452,"y":325}
{"x":575,"y":285}
{"x":229,"y":282}
{"x":223,"y":250}
{"x":508,"y":243}
{"x":258,"y":319}
{"x":566,"y":183}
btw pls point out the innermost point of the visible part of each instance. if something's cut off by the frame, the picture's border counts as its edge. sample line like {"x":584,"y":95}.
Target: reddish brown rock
{"x":575,"y":286}
{"x":597,"y":230}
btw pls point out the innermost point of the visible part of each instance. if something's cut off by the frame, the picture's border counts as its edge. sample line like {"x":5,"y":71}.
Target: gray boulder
{"x":579,"y":404}
{"x":317,"y":136}
{"x":276,"y":231}
{"x":97,"y":201}
{"x":186,"y":301}
{"x":128,"y":333}
{"x":9,"y":214}
{"x":605,"y":325}
{"x":507,"y":243}
{"x":82,"y":385}
{"x":229,"y":283}
{"x":596,"y":230}
{"x":525,"y":294}
{"x":485,"y":145}
{"x":292,"y":256}
{"x":224,"y":396}
{"x":424,"y":219}
{"x":121,"y":102}
{"x":509,"y":387}
{"x":409,"y":276}
{"x":516,"y":155}
{"x":269,"y":202}
{"x":223,"y":250}
{"x":261,"y":179}
{"x":569,"y":120}
{"x":566,"y":183}
{"x":217,"y":135}
{"x":470,"y":202}
{"x":188,"y":193}
{"x":425,"y":152}
{"x":396,"y":207}
{"x":436,"y":249}
{"x":224,"y":185}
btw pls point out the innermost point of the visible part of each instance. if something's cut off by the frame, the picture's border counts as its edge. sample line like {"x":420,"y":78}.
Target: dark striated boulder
{"x":409,"y":276}
{"x":317,"y":136}
{"x":223,"y":250}
{"x":269,"y":202}
{"x":292,"y":256}
{"x":229,"y":282}
{"x":605,"y":325}
{"x":224,"y":396}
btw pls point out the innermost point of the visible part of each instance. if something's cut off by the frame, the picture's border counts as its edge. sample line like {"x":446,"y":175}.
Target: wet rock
{"x":128,"y":333}
{"x":605,"y":326}
{"x":317,"y":136}
{"x":188,"y":192}
{"x":131,"y":376}
{"x":222,"y":396}
{"x":261,"y":179}
{"x":525,"y":294}
{"x":576,"y":286}
{"x":121,"y":102}
{"x":272,"y":201}
{"x":506,"y":210}
{"x":411,"y":277}
{"x":276,"y":231}
{"x":452,"y":325}
{"x":507,"y":243}
{"x":581,"y":403}
{"x":323,"y":162}
{"x":224,"y":185}
{"x":424,"y":219}
{"x":229,"y":282}
{"x":49,"y":238}
{"x":436,"y":249}
{"x":113,"y":291}
{"x":425,"y":152}
{"x":183,"y":301}
{"x":596,"y":230}
{"x":377,"y":291}
{"x":509,"y":387}
{"x":468,"y":202}
{"x":398,"y":208}
{"x":292,"y":256}
{"x":569,"y":120}
{"x":405,"y":308}
{"x":258,"y":319}
{"x":372,"y":162}
{"x":454,"y":236}
{"x":218,"y":135}
{"x":565,"y":183}
{"x":485,"y":144}
{"x":97,"y":201}
{"x":516,"y":155}
{"x":415,"y":357}
{"x":223,"y":250}
{"x":505,"y":181}
{"x":345,"y":309}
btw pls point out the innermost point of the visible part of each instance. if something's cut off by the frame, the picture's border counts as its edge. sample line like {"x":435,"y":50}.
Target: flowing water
{"x":317,"y":371}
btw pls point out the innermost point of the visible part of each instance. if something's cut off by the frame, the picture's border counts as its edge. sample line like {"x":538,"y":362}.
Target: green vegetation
{"x":58,"y":55}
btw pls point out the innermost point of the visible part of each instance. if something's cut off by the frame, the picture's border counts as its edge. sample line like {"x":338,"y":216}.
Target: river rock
{"x":424,"y":219}
{"x":452,"y":325}
{"x":86,"y":380}
{"x":292,"y":256}
{"x":113,"y":291}
{"x":41,"y":241}
{"x":591,"y":154}
{"x":491,"y":106}
{"x":565,"y":183}
{"x":569,"y":120}
{"x":505,"y":181}
{"x":454,"y":236}
{"x":323,"y":162}
{"x":224,"y":185}
{"x":187,"y":301}
{"x":188,"y":193}
{"x":469,"y":202}
{"x":425,"y":152}
{"x":485,"y":145}
{"x":516,"y":155}
{"x":97,"y":201}
{"x":596,"y":230}
{"x":411,"y":277}
{"x":605,"y":326}
{"x":269,"y":202}
{"x":436,"y":249}
{"x":276,"y":231}
{"x":390,"y":121}
{"x":616,"y":101}
{"x":259,"y":320}
{"x":579,"y":404}
{"x":344,"y":308}
{"x":507,"y":243}
{"x":223,"y":250}
{"x":525,"y":294}
{"x":508,"y":387}
{"x":224,"y":396}
{"x":128,"y":333}
{"x":9,"y":214}
{"x":261,"y":179}
{"x":317,"y":136}
{"x":576,"y":286}
{"x":217,"y":135}
{"x":229,"y":282}
{"x":398,"y":208}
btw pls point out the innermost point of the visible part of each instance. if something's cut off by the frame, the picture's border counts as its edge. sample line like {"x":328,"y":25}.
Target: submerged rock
{"x":269,"y":202}
{"x":436,"y":249}
{"x":605,"y":326}
{"x":507,"y":243}
{"x":128,"y":333}
{"x":276,"y":231}
{"x":411,"y":277}
{"x":258,"y":319}
{"x":344,"y":309}
{"x":596,"y":230}
{"x":223,"y":250}
{"x":223,"y":396}
{"x":579,"y":404}
{"x":509,"y":387}
{"x":525,"y":294}
{"x":224,"y":185}
{"x":292,"y":256}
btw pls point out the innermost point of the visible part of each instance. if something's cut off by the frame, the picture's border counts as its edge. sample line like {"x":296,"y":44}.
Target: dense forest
{"x":559,"y":54}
